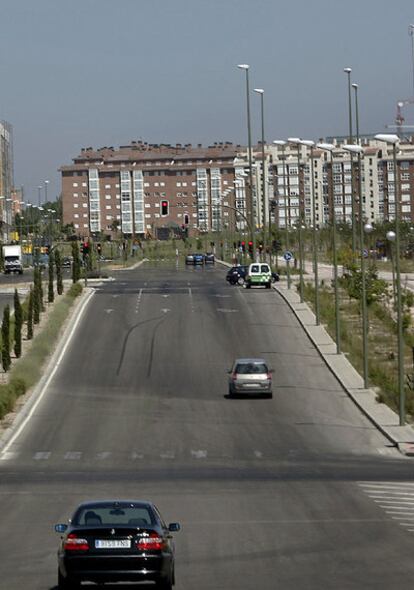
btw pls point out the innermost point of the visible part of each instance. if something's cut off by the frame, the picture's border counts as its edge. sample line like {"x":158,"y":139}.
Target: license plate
{"x":251,"y":385}
{"x":113,"y":543}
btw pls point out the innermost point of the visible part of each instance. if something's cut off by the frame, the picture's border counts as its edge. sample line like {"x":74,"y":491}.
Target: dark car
{"x":116,"y":541}
{"x":237,"y":274}
{"x":209,"y":258}
{"x":66,"y":261}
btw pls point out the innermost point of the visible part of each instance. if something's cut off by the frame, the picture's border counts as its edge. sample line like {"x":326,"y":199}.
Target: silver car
{"x":250,"y":376}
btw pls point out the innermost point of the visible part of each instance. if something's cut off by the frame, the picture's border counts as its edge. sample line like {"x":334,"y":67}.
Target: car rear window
{"x":114,"y":515}
{"x":265,"y":268}
{"x":255,"y":268}
{"x":251,"y":368}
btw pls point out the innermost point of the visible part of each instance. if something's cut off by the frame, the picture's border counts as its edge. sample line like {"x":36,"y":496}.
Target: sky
{"x":80,"y":73}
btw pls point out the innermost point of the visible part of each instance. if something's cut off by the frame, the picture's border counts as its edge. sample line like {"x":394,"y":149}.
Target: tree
{"x":18,"y":323}
{"x":76,"y":262}
{"x":5,"y":339}
{"x":36,"y":296}
{"x":30,"y":315}
{"x":59,"y":279}
{"x":50,"y":289}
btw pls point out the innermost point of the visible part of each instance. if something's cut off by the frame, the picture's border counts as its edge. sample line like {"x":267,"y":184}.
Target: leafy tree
{"x":5,"y":339}
{"x":59,"y":279}
{"x":18,"y":324}
{"x":30,"y":314}
{"x":50,"y":290}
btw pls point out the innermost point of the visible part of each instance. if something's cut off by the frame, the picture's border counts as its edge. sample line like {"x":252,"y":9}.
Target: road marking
{"x":222,"y":296}
{"x":135,"y":456}
{"x":165,"y":296}
{"x":103,"y":455}
{"x":258,"y":454}
{"x":396,"y":499}
{"x":49,"y":379}
{"x":167,"y":455}
{"x":42,"y":456}
{"x":8,"y":455}
{"x":165,"y":310}
{"x":199,"y":454}
{"x":109,"y":310}
{"x":138,"y":301}
{"x":223,"y":310}
{"x":72,"y":456}
{"x":115,"y":296}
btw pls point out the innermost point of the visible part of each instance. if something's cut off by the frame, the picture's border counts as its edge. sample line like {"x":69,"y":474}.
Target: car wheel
{"x":268,"y":285}
{"x":165,"y":584}
{"x":273,"y":279}
{"x":247,"y":285}
{"x":240,"y":281}
{"x":67,"y":583}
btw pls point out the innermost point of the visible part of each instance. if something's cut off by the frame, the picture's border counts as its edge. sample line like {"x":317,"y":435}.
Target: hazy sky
{"x":79,"y":73}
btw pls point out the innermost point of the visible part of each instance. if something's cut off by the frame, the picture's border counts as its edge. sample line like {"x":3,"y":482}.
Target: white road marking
{"x":115,"y":296}
{"x":223,"y":310}
{"x":109,"y":310}
{"x":42,"y":455}
{"x":8,"y":455}
{"x":258,"y":454}
{"x":222,"y":296}
{"x":396,"y":499}
{"x":165,"y":296}
{"x":165,"y":310}
{"x":167,"y":455}
{"x":135,"y":456}
{"x":199,"y":454}
{"x":103,"y":455}
{"x":138,"y":301}
{"x":72,"y":456}
{"x":49,"y":379}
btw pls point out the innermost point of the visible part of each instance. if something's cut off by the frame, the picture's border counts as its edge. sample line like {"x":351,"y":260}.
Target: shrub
{"x":5,"y":339}
{"x":18,"y":323}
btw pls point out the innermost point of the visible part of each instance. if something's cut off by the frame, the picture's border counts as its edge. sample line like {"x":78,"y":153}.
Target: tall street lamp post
{"x":265,"y":209}
{"x":246,"y":67}
{"x":39,"y":189}
{"x":311,"y":145}
{"x":282,"y":144}
{"x":297,"y":142}
{"x":328,"y":147}
{"x":357,"y":149}
{"x":350,"y":142}
{"x":393,"y":140}
{"x":46,"y":183}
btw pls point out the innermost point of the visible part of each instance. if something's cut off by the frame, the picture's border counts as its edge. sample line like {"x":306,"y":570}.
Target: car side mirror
{"x":60,"y":528}
{"x":174,"y":527}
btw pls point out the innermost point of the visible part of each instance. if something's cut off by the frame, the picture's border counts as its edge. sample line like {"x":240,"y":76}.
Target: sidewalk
{"x":379,"y":414}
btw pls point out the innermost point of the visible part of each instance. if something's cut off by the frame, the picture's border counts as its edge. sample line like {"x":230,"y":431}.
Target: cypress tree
{"x":76,"y":263}
{"x":30,"y":315}
{"x":41,"y":303}
{"x":50,"y":289}
{"x":36,"y":296}
{"x":5,"y":339}
{"x":59,"y":279}
{"x":18,"y":323}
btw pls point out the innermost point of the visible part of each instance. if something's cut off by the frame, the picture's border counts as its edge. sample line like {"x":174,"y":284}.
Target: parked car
{"x":236,"y":274}
{"x":67,"y":261}
{"x":189,"y":259}
{"x":250,"y":376}
{"x":209,"y":258}
{"x":259,"y":273}
{"x":116,"y":541}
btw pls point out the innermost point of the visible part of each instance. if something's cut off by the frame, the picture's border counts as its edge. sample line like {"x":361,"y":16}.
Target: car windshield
{"x":110,"y":514}
{"x":251,"y":368}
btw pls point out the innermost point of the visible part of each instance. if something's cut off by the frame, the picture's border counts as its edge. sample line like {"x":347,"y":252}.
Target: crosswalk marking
{"x":72,"y":456}
{"x":395,"y":498}
{"x":42,"y":456}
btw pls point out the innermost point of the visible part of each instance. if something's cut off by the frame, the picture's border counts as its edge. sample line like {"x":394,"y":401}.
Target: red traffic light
{"x":164,"y":208}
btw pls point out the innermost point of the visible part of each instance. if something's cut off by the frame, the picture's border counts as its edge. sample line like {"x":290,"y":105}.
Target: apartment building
{"x":138,"y":187}
{"x":6,"y":179}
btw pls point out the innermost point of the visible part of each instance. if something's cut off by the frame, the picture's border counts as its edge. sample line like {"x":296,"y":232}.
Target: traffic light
{"x":251,"y":247}
{"x":85,"y":249}
{"x":99,"y":248}
{"x":243,"y":246}
{"x":164,"y":208}
{"x":260,"y":246}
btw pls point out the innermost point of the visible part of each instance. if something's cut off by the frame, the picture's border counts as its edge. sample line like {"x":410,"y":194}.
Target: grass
{"x":382,"y":343}
{"x":27,"y":370}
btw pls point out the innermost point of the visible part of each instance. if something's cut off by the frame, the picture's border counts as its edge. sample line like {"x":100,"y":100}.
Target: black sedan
{"x":116,"y":541}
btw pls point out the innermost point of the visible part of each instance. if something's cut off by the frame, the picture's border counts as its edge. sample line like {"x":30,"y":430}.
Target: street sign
{"x":365,"y":251}
{"x":287,"y":255}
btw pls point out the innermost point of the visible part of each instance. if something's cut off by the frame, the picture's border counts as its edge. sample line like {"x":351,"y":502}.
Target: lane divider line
{"x":49,"y":379}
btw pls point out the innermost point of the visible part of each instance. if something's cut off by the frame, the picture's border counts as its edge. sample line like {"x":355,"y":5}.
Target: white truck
{"x":12,"y":256}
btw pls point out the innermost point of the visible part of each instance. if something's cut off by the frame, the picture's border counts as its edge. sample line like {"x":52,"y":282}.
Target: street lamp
{"x":246,"y":67}
{"x":282,"y":144}
{"x":39,"y":189}
{"x":393,"y":140}
{"x":260,"y":91}
{"x":297,"y":142}
{"x":329,"y":147}
{"x":46,"y":183}
{"x":357,"y":149}
{"x":311,"y":144}
{"x":351,"y":141}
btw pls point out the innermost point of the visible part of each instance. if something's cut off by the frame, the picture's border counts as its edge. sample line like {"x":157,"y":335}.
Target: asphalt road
{"x":298,"y":492}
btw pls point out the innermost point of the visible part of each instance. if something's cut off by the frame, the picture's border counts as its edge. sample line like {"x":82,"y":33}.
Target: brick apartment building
{"x":139,"y":187}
